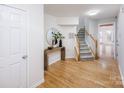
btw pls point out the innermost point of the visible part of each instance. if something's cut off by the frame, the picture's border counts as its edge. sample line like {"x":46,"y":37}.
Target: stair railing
{"x":77,"y":48}
{"x":93,"y":39}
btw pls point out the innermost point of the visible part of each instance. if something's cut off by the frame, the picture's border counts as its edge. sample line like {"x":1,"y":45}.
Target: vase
{"x":56,"y":41}
{"x":60,"y":43}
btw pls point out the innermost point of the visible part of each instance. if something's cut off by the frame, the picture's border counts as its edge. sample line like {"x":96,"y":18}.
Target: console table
{"x":48,"y":51}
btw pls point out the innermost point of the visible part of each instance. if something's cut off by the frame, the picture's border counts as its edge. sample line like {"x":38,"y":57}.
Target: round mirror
{"x":50,"y":37}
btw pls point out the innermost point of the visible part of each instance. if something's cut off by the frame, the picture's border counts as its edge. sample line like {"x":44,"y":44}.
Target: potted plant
{"x":55,"y":38}
{"x":60,"y":37}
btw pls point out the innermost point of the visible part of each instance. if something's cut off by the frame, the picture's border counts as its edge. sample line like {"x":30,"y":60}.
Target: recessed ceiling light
{"x":93,"y":12}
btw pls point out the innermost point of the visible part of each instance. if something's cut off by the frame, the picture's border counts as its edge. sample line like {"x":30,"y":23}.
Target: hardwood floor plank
{"x":89,"y":74}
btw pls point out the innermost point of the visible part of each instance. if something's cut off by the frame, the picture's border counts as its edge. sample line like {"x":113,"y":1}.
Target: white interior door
{"x":12,"y":47}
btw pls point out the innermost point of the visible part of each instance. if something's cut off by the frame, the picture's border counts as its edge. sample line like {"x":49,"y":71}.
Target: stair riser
{"x":84,"y":49}
{"x":81,"y":39}
{"x":86,"y":54}
{"x":81,"y":33}
{"x":83,"y":45}
{"x":88,"y":59}
{"x":81,"y":36}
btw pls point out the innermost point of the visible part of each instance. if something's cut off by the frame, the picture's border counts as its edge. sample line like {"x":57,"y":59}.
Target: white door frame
{"x":114,"y":24}
{"x":27,"y":29}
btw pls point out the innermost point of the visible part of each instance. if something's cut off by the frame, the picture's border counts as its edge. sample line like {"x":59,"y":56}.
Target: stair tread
{"x":90,"y":56}
{"x":85,"y":52}
{"x":81,"y":33}
{"x":84,"y":48}
{"x":81,"y":40}
{"x":82,"y":45}
{"x":80,"y":36}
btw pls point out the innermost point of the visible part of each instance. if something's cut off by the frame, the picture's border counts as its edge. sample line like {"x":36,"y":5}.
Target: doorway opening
{"x":106,"y":36}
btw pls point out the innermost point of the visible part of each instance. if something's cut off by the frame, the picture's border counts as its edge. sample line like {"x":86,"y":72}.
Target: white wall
{"x":68,"y":20}
{"x":81,"y":22}
{"x":107,"y":20}
{"x":35,"y":43}
{"x":120,"y":38}
{"x":69,"y":42}
{"x":92,"y":27}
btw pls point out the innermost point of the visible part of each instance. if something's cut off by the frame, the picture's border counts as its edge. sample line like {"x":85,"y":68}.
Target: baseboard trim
{"x":54,"y":62}
{"x":122,"y":77}
{"x":66,"y":59}
{"x":37,"y":84}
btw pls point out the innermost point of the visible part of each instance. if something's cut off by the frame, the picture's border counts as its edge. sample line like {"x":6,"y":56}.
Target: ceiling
{"x":70,"y":10}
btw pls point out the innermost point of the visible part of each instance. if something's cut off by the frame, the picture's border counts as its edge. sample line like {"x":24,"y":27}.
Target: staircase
{"x":85,"y":52}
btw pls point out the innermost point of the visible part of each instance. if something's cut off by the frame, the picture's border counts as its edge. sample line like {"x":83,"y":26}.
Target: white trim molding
{"x":36,"y":84}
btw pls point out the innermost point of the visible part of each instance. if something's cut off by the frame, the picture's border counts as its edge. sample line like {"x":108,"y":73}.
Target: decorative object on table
{"x":50,"y":47}
{"x":55,"y":38}
{"x":50,"y":39}
{"x":60,"y":36}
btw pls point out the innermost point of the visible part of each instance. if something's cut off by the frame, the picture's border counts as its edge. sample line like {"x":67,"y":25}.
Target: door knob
{"x":24,"y":57}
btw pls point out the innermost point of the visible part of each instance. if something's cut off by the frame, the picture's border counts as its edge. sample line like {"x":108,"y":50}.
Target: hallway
{"x":100,"y":73}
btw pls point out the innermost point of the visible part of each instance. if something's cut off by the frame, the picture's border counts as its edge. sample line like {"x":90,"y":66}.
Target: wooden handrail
{"x":91,"y":36}
{"x":77,"y":48}
{"x":96,"y":45}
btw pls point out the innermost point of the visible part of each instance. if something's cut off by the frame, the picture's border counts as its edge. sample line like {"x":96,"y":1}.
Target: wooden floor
{"x":70,"y":74}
